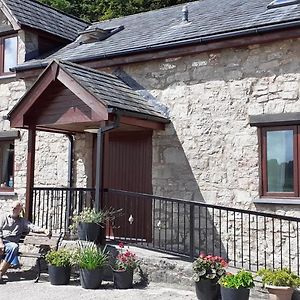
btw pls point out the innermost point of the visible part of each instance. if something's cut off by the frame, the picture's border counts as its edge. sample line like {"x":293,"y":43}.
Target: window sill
{"x":278,"y":201}
{"x":8,"y":76}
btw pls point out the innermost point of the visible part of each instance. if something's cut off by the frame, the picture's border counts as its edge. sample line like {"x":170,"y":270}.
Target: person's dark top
{"x":12,"y":229}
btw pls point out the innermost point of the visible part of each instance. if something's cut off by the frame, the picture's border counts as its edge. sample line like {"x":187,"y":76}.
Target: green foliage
{"x":96,"y":10}
{"x":279,"y":277}
{"x":126,"y":260}
{"x":89,"y":215}
{"x":59,"y":258}
{"x":90,"y":258}
{"x":208,"y":267}
{"x":242,"y":279}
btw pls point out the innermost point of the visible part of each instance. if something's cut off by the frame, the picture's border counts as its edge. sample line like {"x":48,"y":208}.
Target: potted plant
{"x":207,"y":271}
{"x":236,"y":287}
{"x":126,"y":263}
{"x":59,"y":266}
{"x":280,"y":283}
{"x":90,"y":224}
{"x":91,"y":262}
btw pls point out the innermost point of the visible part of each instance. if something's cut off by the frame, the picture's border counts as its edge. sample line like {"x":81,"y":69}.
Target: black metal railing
{"x":54,"y":207}
{"x":248,"y":239}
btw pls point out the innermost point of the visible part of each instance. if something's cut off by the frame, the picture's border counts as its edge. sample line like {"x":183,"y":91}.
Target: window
{"x":9,"y":53}
{"x":279,"y":163}
{"x":279,"y":3}
{"x":7,"y":164}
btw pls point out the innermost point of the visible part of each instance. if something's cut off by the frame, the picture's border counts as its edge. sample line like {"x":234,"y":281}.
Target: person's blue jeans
{"x":11,"y":252}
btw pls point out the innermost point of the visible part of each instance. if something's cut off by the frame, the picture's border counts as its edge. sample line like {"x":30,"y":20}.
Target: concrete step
{"x":171,"y":269}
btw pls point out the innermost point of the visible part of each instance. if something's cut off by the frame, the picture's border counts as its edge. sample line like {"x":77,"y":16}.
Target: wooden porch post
{"x":99,"y":170}
{"x":30,"y":172}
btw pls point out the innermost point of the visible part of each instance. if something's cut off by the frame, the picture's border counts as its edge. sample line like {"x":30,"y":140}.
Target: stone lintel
{"x":275,"y":119}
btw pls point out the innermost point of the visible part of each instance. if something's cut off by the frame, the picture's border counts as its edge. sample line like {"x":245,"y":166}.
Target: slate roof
{"x":110,"y":90}
{"x":42,"y":17}
{"x":209,"y":20}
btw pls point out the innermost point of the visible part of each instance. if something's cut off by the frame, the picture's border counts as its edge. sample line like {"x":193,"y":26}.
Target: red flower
{"x":121,"y":245}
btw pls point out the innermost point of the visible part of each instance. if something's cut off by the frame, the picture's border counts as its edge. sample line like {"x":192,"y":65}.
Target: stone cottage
{"x":197,"y":102}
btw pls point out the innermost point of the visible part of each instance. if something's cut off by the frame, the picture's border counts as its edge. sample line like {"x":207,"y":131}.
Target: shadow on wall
{"x":177,"y":226}
{"x":172,"y":175}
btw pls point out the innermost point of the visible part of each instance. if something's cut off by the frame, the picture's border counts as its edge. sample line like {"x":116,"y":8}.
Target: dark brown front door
{"x":128,"y":167}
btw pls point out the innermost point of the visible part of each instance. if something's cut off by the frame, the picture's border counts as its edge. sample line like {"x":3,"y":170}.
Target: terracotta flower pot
{"x":279,"y":292}
{"x":207,"y":289}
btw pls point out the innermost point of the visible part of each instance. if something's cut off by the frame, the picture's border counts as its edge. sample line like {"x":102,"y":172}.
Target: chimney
{"x":185,"y":14}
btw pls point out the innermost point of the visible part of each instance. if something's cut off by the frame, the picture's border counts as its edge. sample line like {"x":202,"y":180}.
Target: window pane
{"x":7,"y":164}
{"x":10,"y":53}
{"x":280,"y":161}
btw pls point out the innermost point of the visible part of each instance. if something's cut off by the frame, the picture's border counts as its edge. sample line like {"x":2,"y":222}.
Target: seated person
{"x":12,"y":227}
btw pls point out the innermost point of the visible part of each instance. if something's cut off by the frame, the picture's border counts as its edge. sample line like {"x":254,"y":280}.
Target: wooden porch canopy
{"x":69,"y":98}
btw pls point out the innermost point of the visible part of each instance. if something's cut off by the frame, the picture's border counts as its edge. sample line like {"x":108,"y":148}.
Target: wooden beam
{"x":31,"y":96}
{"x":30,"y":172}
{"x":154,"y":54}
{"x":85,"y":96}
{"x":142,"y":123}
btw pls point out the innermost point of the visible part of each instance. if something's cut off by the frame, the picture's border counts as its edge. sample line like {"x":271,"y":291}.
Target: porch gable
{"x":73,"y":98}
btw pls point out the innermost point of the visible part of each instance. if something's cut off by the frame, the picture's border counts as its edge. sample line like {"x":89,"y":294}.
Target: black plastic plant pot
{"x":91,"y":232}
{"x":112,"y":253}
{"x":91,"y":279}
{"x":235,"y":294}
{"x":208,"y":289}
{"x":59,"y":275}
{"x":123,"y":279}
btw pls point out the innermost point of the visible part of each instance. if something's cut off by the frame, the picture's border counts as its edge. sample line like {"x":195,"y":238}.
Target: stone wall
{"x":210,"y":97}
{"x":51,"y":168}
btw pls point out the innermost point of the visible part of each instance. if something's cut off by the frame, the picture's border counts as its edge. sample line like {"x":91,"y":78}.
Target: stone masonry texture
{"x":208,"y":152}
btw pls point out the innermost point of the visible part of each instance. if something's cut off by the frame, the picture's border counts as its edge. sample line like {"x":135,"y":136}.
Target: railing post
{"x":192,"y":231}
{"x":68,"y":209}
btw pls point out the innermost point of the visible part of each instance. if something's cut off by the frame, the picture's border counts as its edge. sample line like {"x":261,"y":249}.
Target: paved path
{"x":44,"y":291}
{"x":21,"y":287}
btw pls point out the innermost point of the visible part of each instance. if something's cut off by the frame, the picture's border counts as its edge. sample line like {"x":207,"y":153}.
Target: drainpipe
{"x":99,"y":161}
{"x":70,"y":178}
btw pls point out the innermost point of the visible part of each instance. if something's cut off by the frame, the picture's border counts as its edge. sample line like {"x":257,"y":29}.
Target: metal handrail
{"x":222,"y":207}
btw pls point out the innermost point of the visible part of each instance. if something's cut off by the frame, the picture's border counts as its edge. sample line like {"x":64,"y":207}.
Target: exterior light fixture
{"x":131,"y":219}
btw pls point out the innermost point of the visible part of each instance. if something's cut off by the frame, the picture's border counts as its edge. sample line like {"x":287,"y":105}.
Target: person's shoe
{"x":4,"y":266}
